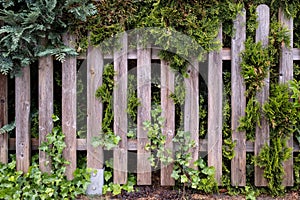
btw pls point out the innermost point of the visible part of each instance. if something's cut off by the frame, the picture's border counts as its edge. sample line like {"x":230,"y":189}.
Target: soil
{"x":167,"y":193}
{"x":157,"y":192}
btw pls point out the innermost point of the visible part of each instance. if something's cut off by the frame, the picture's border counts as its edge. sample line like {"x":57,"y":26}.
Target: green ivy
{"x":201,"y":177}
{"x":156,"y":139}
{"x":115,"y":189}
{"x":38,"y":185}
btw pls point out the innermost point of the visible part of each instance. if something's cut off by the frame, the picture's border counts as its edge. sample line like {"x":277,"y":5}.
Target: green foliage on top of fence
{"x":27,"y":23}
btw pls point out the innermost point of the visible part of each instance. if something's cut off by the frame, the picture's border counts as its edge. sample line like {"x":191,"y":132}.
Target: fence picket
{"x":45,"y":106}
{"x":191,"y":108}
{"x":69,"y":107}
{"x":238,"y":102}
{"x":23,"y":147}
{"x":168,"y":113}
{"x":262,"y":131}
{"x":286,"y":74}
{"x":215,"y":110}
{"x":3,"y":119}
{"x":95,"y":65}
{"x":120,"y":112}
{"x":144,"y":94}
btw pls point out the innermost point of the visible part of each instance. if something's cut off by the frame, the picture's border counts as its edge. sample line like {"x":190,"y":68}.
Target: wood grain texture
{"x":22,"y":95}
{"x":95,"y":66}
{"x":69,"y":107}
{"x":262,"y":131}
{"x":285,"y":75}
{"x":144,"y":94}
{"x":238,"y":102}
{"x":215,"y":93}
{"x":191,"y":108}
{"x":45,"y":106}
{"x":3,"y":119}
{"x":120,"y":112}
{"x":132,"y":145}
{"x":226,"y":54}
{"x":168,"y":113}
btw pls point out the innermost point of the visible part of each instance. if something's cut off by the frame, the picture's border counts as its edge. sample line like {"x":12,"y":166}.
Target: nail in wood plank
{"x":45,"y":106}
{"x":22,"y":92}
{"x":191,"y":108}
{"x":95,"y":66}
{"x":69,"y":107}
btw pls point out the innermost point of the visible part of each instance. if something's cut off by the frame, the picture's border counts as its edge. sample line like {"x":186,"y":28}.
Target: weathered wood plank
{"x":226,"y":54}
{"x":120,"y":112}
{"x":238,"y":102}
{"x":22,"y":92}
{"x":168,"y":113}
{"x":262,"y":132}
{"x":45,"y":106}
{"x":3,"y":119}
{"x":144,"y":94}
{"x":69,"y":107}
{"x":95,"y":65}
{"x":215,"y":110}
{"x":191,"y":108}
{"x":296,"y":53}
{"x":285,"y":75}
{"x":132,"y":145}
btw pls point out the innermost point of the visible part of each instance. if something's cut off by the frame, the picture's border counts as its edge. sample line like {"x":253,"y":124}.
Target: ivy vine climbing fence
{"x":23,"y":144}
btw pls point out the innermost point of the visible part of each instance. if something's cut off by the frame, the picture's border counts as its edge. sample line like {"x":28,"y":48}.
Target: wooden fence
{"x":23,"y":143}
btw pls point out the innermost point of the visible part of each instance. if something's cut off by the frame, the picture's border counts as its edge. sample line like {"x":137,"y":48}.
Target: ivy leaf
{"x":107,"y":175}
{"x":208,"y":171}
{"x":175,"y":175}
